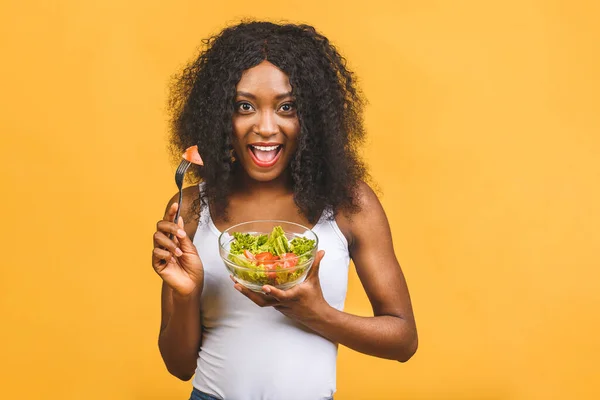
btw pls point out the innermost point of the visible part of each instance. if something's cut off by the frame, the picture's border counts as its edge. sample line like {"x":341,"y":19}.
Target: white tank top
{"x":254,"y":353}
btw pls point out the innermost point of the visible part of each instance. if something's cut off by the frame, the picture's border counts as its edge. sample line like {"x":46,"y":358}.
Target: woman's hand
{"x":176,"y":260}
{"x":302,"y":302}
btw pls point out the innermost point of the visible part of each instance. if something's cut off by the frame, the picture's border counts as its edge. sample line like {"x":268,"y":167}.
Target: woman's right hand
{"x":176,"y":260}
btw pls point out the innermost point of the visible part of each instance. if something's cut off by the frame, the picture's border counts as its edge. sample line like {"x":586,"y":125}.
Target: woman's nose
{"x":267,"y":125}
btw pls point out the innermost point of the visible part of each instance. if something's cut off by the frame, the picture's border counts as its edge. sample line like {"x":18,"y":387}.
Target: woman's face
{"x":265,"y":122}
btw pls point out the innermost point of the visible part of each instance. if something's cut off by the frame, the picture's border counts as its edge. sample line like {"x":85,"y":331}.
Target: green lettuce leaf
{"x":277,"y":243}
{"x":301,"y":246}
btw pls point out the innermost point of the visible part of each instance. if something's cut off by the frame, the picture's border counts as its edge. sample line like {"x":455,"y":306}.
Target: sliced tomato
{"x":272,"y":271}
{"x":289,"y":260}
{"x":191,"y":154}
{"x":270,"y":263}
{"x":266,"y":258}
{"x":249,"y":255}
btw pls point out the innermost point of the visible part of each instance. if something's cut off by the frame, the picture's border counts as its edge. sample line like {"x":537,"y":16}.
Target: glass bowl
{"x":283,"y":270}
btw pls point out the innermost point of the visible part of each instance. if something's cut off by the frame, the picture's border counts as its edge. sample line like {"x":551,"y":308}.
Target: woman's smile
{"x":265,"y":155}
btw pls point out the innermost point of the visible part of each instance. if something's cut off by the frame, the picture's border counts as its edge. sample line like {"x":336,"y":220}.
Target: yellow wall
{"x":484,"y":139}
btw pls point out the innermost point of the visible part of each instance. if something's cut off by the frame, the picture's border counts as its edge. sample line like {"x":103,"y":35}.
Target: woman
{"x":277,"y":119}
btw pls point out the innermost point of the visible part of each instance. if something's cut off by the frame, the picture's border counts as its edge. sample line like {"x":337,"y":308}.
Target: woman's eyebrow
{"x":283,"y":95}
{"x":245,"y":94}
{"x":251,"y":96}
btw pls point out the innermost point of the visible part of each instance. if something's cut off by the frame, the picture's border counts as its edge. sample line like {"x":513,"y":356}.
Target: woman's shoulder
{"x":368,"y":207}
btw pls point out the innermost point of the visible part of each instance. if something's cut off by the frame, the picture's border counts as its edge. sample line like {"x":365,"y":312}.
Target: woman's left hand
{"x":302,"y":302}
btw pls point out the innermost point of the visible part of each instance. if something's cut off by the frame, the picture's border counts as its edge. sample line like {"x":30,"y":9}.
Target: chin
{"x":266,"y":176}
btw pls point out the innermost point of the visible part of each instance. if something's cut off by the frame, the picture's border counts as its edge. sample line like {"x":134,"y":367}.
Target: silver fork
{"x":179,"y":174}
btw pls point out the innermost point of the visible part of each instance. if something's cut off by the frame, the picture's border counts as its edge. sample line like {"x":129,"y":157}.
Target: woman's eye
{"x":287,"y":107}
{"x":245,"y":107}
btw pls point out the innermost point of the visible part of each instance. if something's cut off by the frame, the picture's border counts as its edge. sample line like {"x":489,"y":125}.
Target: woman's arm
{"x":180,"y":332}
{"x":180,"y":328}
{"x":392,"y":332}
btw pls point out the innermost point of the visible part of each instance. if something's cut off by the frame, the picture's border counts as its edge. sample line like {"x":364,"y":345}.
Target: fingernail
{"x":181,"y":233}
{"x":178,"y":252}
{"x":267,"y":290}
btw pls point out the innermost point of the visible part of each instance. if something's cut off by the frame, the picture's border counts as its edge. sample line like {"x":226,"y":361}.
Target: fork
{"x":179,"y":174}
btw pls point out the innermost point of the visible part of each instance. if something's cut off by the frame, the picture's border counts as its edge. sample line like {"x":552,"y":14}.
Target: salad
{"x":270,"y":259}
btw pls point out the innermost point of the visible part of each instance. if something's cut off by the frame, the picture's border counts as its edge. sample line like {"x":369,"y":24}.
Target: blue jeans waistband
{"x":198,"y":395}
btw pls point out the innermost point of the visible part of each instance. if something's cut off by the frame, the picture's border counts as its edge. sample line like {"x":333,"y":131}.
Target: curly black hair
{"x":326,"y":169}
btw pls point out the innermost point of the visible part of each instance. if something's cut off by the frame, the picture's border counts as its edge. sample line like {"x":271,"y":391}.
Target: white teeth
{"x":265,"y":148}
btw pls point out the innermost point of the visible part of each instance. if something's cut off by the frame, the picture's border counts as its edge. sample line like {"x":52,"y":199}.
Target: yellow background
{"x":484,"y":140}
